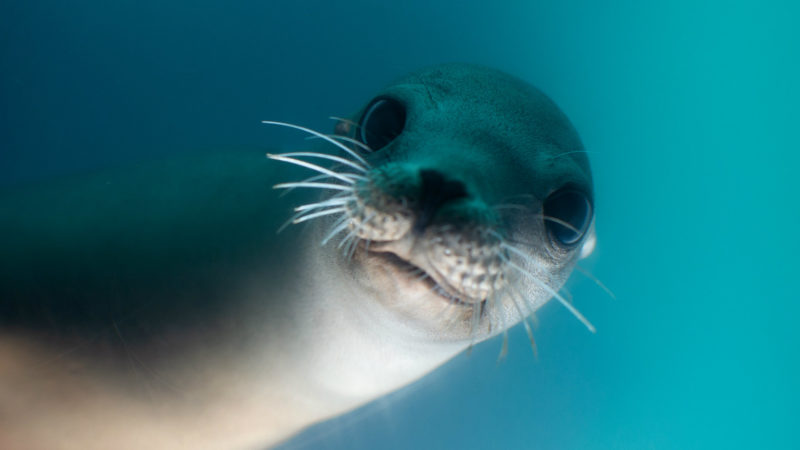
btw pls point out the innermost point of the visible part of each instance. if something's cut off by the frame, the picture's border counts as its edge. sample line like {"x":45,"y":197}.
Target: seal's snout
{"x":436,"y":191}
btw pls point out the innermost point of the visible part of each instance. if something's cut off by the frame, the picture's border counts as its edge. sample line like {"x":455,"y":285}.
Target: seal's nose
{"x":436,"y":190}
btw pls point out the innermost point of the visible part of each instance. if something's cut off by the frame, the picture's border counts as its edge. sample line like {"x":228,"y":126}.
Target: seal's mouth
{"x":417,"y":275}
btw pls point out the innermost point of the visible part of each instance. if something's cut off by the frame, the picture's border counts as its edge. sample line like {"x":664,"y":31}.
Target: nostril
{"x":436,"y":190}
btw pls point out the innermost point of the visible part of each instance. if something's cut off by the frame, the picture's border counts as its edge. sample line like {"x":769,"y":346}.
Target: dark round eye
{"x":383,"y":120}
{"x":567,"y":214}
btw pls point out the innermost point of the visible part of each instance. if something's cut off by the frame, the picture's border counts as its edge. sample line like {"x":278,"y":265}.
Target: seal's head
{"x":464,"y":197}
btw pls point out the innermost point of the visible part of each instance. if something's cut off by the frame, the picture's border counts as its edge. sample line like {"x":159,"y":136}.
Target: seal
{"x":155,"y":307}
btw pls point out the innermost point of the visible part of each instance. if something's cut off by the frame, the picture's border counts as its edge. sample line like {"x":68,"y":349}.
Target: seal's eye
{"x":383,"y":120}
{"x":567,"y":215}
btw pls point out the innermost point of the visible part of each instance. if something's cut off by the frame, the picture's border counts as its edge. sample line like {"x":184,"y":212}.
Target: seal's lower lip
{"x":421,"y":276}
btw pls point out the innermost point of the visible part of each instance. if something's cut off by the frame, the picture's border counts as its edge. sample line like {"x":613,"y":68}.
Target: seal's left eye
{"x":567,"y":216}
{"x":383,"y":120}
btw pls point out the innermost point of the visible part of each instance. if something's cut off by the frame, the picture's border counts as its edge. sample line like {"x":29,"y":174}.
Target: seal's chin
{"x":414,"y":276}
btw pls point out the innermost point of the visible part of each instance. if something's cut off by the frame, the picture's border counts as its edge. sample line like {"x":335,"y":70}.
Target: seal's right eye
{"x":568,"y":214}
{"x":383,"y":120}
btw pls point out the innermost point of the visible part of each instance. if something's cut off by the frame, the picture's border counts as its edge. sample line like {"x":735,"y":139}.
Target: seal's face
{"x":467,"y":199}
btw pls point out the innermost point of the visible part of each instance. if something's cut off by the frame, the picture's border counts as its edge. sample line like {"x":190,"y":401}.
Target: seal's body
{"x":156,"y":306}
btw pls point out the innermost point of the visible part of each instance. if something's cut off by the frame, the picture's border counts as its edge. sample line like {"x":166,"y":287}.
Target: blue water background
{"x":691,"y":112}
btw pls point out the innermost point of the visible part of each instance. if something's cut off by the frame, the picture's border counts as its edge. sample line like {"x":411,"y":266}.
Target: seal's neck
{"x":352,"y":349}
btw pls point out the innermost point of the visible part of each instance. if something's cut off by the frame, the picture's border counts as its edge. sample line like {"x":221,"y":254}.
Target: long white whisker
{"x":302,"y":184}
{"x":319,"y":214}
{"x":503,"y":347}
{"x":347,"y":179}
{"x":529,"y":332}
{"x":296,"y":218}
{"x":322,"y":204}
{"x":495,"y":234}
{"x":599,"y":283}
{"x":352,"y":241}
{"x":363,"y":223}
{"x":326,"y":156}
{"x":345,"y":139}
{"x":353,"y":141}
{"x":561,"y":222}
{"x":525,"y":324}
{"x":474,"y":319}
{"x":349,"y":240}
{"x":347,"y":237}
{"x":349,"y":252}
{"x":289,"y":222}
{"x":547,"y":288}
{"x":567,"y":295}
{"x":527,"y":309}
{"x":347,"y":121}
{"x":314,"y":178}
{"x":352,"y":249}
{"x":337,"y":228}
{"x":494,"y":304}
{"x":321,"y":136}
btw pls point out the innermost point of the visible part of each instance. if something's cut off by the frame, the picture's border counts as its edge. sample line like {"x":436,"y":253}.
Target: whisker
{"x":561,"y":222}
{"x":347,"y":121}
{"x":544,"y":286}
{"x":314,"y":178}
{"x":347,"y":177}
{"x":356,"y":230}
{"x":303,"y":184}
{"x":503,"y":347}
{"x":347,"y":237}
{"x":567,"y":295}
{"x":336,"y":229}
{"x":506,"y":240}
{"x":352,"y":250}
{"x":321,"y":136}
{"x":338,"y":199}
{"x":290,"y":221}
{"x":338,"y":159}
{"x":353,"y":141}
{"x":497,"y":235}
{"x":529,"y":331}
{"x":494,"y":303}
{"x":356,"y":127}
{"x":527,"y":307}
{"x":525,"y":323}
{"x":599,"y":283}
{"x":326,"y":212}
{"x":570,"y":153}
{"x":330,"y":202}
{"x":476,"y":316}
{"x":348,"y":242}
{"x":504,"y":327}
{"x":471,"y":336}
{"x":347,"y":139}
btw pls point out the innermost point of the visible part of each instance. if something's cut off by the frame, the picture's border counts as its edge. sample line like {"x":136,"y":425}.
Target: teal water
{"x":690,"y":110}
